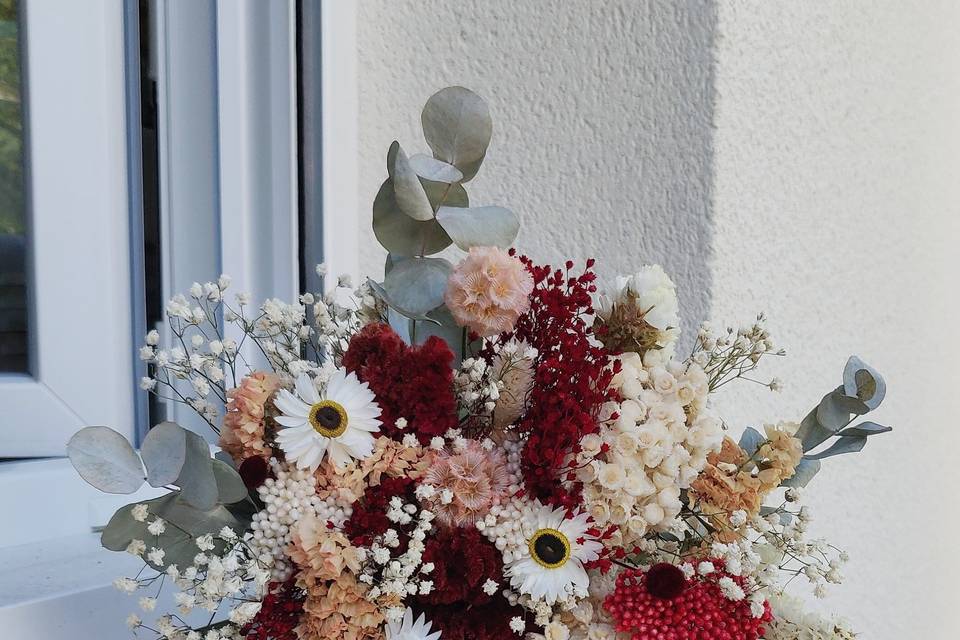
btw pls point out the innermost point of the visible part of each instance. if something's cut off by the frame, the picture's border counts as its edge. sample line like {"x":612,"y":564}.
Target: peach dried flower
{"x":244,"y":425}
{"x":477,"y":479}
{"x":488,"y":291}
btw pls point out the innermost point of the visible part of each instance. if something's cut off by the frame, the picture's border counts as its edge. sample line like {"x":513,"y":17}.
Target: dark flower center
{"x":549,"y":548}
{"x":665,"y":581}
{"x":328,"y":418}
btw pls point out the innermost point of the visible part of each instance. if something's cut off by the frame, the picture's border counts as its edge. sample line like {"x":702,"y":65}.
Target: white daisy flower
{"x":340,"y":421}
{"x":407,"y":629}
{"x":551,"y":566}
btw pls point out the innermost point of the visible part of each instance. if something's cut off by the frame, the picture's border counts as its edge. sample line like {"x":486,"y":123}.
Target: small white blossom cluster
{"x":733,"y":354}
{"x":341,"y":313}
{"x":232,"y":576}
{"x":397,"y":576}
{"x":792,"y":620}
{"x":651,"y":445}
{"x":287,"y":498}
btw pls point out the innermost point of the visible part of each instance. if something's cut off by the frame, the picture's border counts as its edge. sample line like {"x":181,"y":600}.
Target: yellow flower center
{"x":549,"y":548}
{"x":328,"y":418}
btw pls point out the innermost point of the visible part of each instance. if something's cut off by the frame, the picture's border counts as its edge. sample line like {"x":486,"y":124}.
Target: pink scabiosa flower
{"x":243,"y":434}
{"x":488,"y":291}
{"x":466,"y":482}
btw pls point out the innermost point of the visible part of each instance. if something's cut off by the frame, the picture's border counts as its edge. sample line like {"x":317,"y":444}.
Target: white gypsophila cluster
{"x":651,"y":446}
{"x":792,"y":620}
{"x":224,"y":576}
{"x":341,"y":313}
{"x":476,"y":393}
{"x":652,"y":292}
{"x":287,"y":498}
{"x":734,"y":353}
{"x":204,"y":359}
{"x":397,"y":576}
{"x":503,"y":525}
{"x":786,"y":552}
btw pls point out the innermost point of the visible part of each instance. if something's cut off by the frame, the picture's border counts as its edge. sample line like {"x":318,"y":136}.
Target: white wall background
{"x":801,"y":158}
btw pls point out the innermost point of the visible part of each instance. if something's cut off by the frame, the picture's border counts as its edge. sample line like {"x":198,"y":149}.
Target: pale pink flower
{"x":477,"y":478}
{"x":488,"y":291}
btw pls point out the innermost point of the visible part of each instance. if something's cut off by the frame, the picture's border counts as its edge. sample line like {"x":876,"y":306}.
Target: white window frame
{"x":79,"y":270}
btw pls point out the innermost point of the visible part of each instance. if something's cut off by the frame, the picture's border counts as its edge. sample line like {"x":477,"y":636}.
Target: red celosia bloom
{"x":279,"y":614}
{"x":369,"y":517}
{"x":410,"y":382}
{"x":660,"y":604}
{"x":461,"y":621}
{"x":571,"y":378}
{"x":463,"y":561}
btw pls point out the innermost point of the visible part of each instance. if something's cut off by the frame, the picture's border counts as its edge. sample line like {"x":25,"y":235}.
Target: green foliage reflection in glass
{"x":11,"y":123}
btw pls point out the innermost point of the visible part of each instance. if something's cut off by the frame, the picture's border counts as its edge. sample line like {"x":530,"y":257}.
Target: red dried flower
{"x":414,"y":383}
{"x":462,"y":621}
{"x":463,"y":561}
{"x":698,"y":610}
{"x":279,"y":614}
{"x":254,"y":472}
{"x":571,"y":381}
{"x":369,"y":517}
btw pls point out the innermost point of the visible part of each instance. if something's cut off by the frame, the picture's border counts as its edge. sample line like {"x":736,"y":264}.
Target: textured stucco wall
{"x":797,"y":158}
{"x":601,"y":115}
{"x":837,"y":210}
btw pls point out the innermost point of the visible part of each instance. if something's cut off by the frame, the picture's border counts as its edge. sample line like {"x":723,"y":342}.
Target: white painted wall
{"x":837,"y":209}
{"x":796,"y":157}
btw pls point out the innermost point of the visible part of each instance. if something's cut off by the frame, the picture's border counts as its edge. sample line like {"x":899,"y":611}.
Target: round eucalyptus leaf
{"x":803,"y":473}
{"x":430,"y":168}
{"x":230,"y":487}
{"x":417,"y":285}
{"x":164,"y":450}
{"x":479,"y":226}
{"x":198,"y":485}
{"x":835,"y":409}
{"x":457,"y":126}
{"x":400,"y":234}
{"x":408,"y":191}
{"x":106,"y":460}
{"x":864,"y":382}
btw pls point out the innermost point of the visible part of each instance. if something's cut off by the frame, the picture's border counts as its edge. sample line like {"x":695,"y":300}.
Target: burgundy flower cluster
{"x":369,"y":517}
{"x":279,"y":614}
{"x":463,"y":561}
{"x":410,"y":382}
{"x":571,"y":380}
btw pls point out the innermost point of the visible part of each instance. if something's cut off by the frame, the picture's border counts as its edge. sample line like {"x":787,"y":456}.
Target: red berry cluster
{"x":369,"y":517}
{"x":279,"y":614}
{"x":660,"y":604}
{"x":411,"y":382}
{"x":463,"y":561}
{"x":571,"y":377}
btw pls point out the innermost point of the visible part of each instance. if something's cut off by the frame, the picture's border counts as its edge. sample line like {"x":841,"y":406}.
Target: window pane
{"x":13,"y":219}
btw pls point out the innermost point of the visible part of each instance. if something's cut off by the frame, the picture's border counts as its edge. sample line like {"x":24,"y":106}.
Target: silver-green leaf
{"x":843,"y":444}
{"x":198,"y":485}
{"x":430,"y":168}
{"x":479,"y":226}
{"x":407,"y":189}
{"x":106,"y":460}
{"x":400,"y":234}
{"x":803,"y":474}
{"x":230,"y":487}
{"x":418,"y":285}
{"x":862,"y":381}
{"x":865,"y":429}
{"x":751,"y":440}
{"x":835,"y":409}
{"x":164,"y":450}
{"x":457,"y":126}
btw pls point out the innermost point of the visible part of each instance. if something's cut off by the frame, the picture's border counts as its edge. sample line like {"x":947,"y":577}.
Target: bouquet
{"x":477,"y":448}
